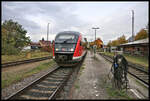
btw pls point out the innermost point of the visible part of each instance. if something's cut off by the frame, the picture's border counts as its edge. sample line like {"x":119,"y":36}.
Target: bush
{"x":9,"y":50}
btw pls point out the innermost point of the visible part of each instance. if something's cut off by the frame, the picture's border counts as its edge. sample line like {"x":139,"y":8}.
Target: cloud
{"x":118,"y":21}
{"x":113,"y":19}
{"x":35,"y":17}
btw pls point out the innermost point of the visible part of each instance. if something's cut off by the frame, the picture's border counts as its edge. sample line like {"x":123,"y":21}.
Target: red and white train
{"x":68,"y":48}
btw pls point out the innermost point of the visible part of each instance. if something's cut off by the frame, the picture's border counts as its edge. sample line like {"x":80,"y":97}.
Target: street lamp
{"x":95,"y":40}
{"x":47,"y":30}
{"x":95,"y":31}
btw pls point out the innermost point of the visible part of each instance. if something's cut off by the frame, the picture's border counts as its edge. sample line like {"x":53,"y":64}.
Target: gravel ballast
{"x":19,"y":85}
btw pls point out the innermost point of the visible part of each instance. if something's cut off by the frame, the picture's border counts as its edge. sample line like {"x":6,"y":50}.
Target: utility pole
{"x":47,"y":30}
{"x":147,"y":30}
{"x":132,"y":25}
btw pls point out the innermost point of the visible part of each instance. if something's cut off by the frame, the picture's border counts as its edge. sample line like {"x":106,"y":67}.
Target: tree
{"x":99,"y":43}
{"x":142,"y":34}
{"x":115,"y":43}
{"x":109,"y":43}
{"x":118,"y":41}
{"x":13,"y":36}
{"x":122,"y":40}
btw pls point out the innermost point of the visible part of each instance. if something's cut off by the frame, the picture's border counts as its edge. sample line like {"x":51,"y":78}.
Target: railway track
{"x":134,"y":70}
{"x":46,"y":87}
{"x":24,"y":61}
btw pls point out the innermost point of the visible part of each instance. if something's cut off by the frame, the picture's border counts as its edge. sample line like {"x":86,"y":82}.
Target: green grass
{"x":141,"y":60}
{"x":138,"y":60}
{"x":77,"y":86}
{"x":10,"y":78}
{"x":121,"y":94}
{"x":110,"y":90}
{"x":23,"y":56}
{"x":107,"y":53}
{"x":43,"y":66}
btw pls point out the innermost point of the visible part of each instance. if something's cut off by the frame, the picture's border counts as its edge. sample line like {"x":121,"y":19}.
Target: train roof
{"x":69,"y":32}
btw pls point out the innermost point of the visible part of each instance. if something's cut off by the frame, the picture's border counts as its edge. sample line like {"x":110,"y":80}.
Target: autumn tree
{"x":13,"y":37}
{"x":99,"y":43}
{"x":122,"y":40}
{"x":109,"y":43}
{"x":91,"y":44}
{"x":142,"y":34}
{"x":118,"y":41}
{"x":115,"y":43}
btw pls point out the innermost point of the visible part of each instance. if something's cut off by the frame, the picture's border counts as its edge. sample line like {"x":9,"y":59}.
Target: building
{"x":32,"y":45}
{"x":113,"y":49}
{"x":42,"y":44}
{"x":46,"y":45}
{"x":105,"y":49}
{"x":109,"y":49}
{"x":139,"y":47}
{"x":26,"y":48}
{"x":35,"y":45}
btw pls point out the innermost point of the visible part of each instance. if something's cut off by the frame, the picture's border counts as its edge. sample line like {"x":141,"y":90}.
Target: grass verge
{"x":23,"y":56}
{"x":119,"y":94}
{"x":111,"y":91}
{"x":133,"y":59}
{"x":10,"y":78}
{"x":77,"y":86}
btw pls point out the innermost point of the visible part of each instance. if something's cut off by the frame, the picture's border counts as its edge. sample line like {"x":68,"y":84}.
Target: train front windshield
{"x":67,"y":38}
{"x":65,"y":42}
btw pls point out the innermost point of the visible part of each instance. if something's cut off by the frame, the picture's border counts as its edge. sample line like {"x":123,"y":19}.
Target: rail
{"x":136,"y":66}
{"x":24,"y":61}
{"x":40,"y":81}
{"x":135,"y":70}
{"x":47,"y":86}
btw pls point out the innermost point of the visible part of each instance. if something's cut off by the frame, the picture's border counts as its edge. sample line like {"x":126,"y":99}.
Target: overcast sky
{"x":113,"y":18}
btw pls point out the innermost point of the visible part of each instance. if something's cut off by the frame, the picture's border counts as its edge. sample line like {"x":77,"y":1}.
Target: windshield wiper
{"x":67,"y":40}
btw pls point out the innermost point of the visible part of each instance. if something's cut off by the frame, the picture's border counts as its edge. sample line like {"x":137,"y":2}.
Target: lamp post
{"x":95,"y":30}
{"x":95,"y":40}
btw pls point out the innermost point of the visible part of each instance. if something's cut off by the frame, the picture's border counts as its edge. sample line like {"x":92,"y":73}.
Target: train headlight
{"x":56,"y":49}
{"x":71,"y":49}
